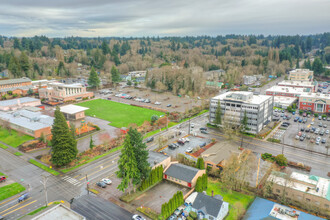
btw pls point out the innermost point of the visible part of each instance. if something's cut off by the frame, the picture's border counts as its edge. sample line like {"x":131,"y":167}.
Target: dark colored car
{"x":203,"y":129}
{"x":2,"y":179}
{"x":109,"y":98}
{"x":151,"y":139}
{"x":204,"y":132}
{"x":169,"y":105}
{"x":171,"y":146}
{"x":202,"y":144}
{"x":23,"y":197}
{"x":101,"y":184}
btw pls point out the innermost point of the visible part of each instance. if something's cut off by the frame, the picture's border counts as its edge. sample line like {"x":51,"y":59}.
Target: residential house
{"x":156,"y":159}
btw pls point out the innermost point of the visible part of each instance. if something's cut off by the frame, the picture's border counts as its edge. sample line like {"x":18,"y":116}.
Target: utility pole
{"x":44,"y":183}
{"x":87,"y":184}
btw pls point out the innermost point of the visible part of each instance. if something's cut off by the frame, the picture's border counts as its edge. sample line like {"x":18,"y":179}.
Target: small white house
{"x":208,"y":207}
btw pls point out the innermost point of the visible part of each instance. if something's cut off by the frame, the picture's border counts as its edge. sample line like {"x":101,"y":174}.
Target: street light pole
{"x":44,"y":183}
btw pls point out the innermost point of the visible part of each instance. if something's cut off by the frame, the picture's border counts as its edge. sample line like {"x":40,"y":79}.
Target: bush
{"x":266,"y":156}
{"x":193,"y":215}
{"x":316,"y":115}
{"x":300,"y":112}
{"x":273,"y":140}
{"x":281,"y":160}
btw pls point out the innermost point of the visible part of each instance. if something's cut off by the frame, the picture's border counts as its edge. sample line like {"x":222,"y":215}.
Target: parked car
{"x":204,"y":132}
{"x":158,"y":103}
{"x":297,"y":137}
{"x":305,"y":120}
{"x":300,"y":120}
{"x":101,"y":184}
{"x":325,"y":126}
{"x":203,"y":129}
{"x":171,"y":146}
{"x":302,"y":129}
{"x":137,"y":217}
{"x":2,"y":179}
{"x":320,"y":117}
{"x":328,"y":119}
{"x":301,"y":138}
{"x":323,"y":141}
{"x":106,"y":181}
{"x":192,"y":125}
{"x":308,"y":137}
{"x":169,"y":105}
{"x":203,"y":144}
{"x":276,"y":110}
{"x":320,"y":124}
{"x":312,"y":123}
{"x":327,"y":131}
{"x":303,"y":135}
{"x":304,"y":114}
{"x":189,"y":150}
{"x":150,"y":139}
{"x":181,"y":141}
{"x":307,"y":130}
{"x":147,"y":101}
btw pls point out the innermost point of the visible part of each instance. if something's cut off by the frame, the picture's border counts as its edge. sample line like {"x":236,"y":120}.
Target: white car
{"x":312,"y":123}
{"x":138,"y":217}
{"x":192,"y":125}
{"x":106,"y":181}
{"x":189,"y":150}
{"x":158,"y":103}
{"x":327,"y":131}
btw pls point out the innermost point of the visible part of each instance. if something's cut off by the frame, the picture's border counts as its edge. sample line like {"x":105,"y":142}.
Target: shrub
{"x":193,"y":215}
{"x":300,"y":112}
{"x":316,"y":115}
{"x":266,"y":156}
{"x":281,"y":160}
{"x":273,"y":140}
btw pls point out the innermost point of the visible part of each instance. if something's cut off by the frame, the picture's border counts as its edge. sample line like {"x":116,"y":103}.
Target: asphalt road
{"x":95,"y":208}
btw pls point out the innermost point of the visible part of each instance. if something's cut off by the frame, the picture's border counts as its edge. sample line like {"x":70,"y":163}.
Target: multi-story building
{"x":286,"y":91}
{"x":302,"y":188}
{"x":13,"y":104}
{"x":259,"y":109}
{"x":249,"y":80}
{"x":61,"y":92}
{"x":301,"y":75}
{"x":19,"y":86}
{"x":309,"y":86}
{"x":315,"y":102}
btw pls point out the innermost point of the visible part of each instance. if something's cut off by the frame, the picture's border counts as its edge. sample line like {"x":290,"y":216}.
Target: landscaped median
{"x":10,"y":190}
{"x":49,"y":170}
{"x":12,"y":137}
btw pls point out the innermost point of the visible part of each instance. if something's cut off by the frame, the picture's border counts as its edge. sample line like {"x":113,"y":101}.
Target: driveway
{"x":158,"y":195}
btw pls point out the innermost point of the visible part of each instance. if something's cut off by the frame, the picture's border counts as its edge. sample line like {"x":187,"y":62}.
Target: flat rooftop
{"x":301,"y":71}
{"x":18,"y":100}
{"x":219,"y":152}
{"x":315,"y":95}
{"x":309,"y":184}
{"x":59,"y":212}
{"x":72,"y":109}
{"x":249,"y":97}
{"x":284,"y":99}
{"x":287,"y":89}
{"x":296,"y":83}
{"x":155,"y":158}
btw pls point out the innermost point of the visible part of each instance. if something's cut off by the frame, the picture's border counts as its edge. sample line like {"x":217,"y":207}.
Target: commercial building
{"x":301,"y":75}
{"x":182,"y":174}
{"x":258,"y":108}
{"x":250,"y":80}
{"x":284,"y":102}
{"x":31,"y":123}
{"x":73,"y":112}
{"x":286,"y":91}
{"x":315,"y":102}
{"x":156,"y":159}
{"x":19,"y":86}
{"x":13,"y":104}
{"x":309,"y":86}
{"x":208,"y":207}
{"x":60,"y":92}
{"x":302,"y":188}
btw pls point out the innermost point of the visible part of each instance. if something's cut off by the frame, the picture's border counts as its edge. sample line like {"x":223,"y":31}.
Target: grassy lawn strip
{"x":49,"y":170}
{"x":3,"y":146}
{"x":229,"y":196}
{"x":118,"y":114}
{"x":14,"y":139}
{"x":2,"y":174}
{"x":148,"y":212}
{"x":10,"y":190}
{"x":18,"y":153}
{"x":94,"y":158}
{"x":37,"y":210}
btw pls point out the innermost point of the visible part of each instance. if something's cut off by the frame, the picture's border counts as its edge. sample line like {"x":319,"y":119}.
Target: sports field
{"x":118,"y":114}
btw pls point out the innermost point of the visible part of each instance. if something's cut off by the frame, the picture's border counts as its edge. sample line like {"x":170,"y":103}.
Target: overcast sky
{"x":92,"y":18}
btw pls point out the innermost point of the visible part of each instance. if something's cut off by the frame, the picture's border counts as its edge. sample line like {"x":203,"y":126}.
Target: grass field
{"x":118,"y":114}
{"x":229,"y":196}
{"x":15,"y":139}
{"x":10,"y":190}
{"x":18,"y":153}
{"x":3,"y":146}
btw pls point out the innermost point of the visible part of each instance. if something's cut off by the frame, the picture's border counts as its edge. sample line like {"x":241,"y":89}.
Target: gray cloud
{"x":162,"y":18}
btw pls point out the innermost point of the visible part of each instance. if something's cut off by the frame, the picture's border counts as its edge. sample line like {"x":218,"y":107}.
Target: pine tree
{"x":14,"y":67}
{"x":218,"y":120}
{"x":244,"y":123}
{"x":200,"y":163}
{"x":64,"y":146}
{"x":93,"y":80}
{"x":141,"y":152}
{"x":115,"y":75}
{"x":24,"y":63}
{"x":91,"y":143}
{"x":128,"y":169}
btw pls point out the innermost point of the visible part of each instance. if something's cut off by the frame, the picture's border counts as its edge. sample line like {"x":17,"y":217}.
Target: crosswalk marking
{"x":70,"y":180}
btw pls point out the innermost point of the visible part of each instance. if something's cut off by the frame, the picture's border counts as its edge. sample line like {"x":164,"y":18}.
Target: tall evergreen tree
{"x":128,"y":167}
{"x":115,"y":75}
{"x":318,"y":66}
{"x":93,"y":80}
{"x":200,"y":163}
{"x":24,"y":63}
{"x":140,"y":151}
{"x":244,"y":123}
{"x":14,"y":67}
{"x":105,"y":48}
{"x":64,"y":146}
{"x":218,"y":119}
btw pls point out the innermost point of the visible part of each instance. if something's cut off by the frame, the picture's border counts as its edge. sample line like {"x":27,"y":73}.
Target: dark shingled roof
{"x":181,"y":172}
{"x":209,"y":205}
{"x":155,"y":158}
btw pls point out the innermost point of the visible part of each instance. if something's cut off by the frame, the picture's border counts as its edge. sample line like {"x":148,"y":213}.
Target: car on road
{"x":23,"y":197}
{"x":203,"y":129}
{"x":150,"y":139}
{"x":158,"y":103}
{"x":147,"y":101}
{"x":107,"y":181}
{"x":189,"y":150}
{"x":169,"y":105}
{"x":204,"y":132}
{"x":137,"y":217}
{"x":101,"y":184}
{"x":2,"y":179}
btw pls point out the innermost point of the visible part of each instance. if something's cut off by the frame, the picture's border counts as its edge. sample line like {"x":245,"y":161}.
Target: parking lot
{"x":165,"y":100}
{"x":305,"y":132}
{"x":194,"y":143}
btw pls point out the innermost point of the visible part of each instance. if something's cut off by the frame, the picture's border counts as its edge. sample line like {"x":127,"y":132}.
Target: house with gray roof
{"x":182,"y":174}
{"x":208,"y":207}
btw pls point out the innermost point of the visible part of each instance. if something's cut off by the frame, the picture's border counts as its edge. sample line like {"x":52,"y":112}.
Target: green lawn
{"x":10,"y":190}
{"x":3,"y":146}
{"x":18,"y":153}
{"x":118,"y":114}
{"x":229,"y":196}
{"x":15,"y":139}
{"x":49,"y":170}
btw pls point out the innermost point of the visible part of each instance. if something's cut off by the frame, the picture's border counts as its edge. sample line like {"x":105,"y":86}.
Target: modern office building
{"x":60,"y":92}
{"x":302,"y":188}
{"x":315,"y":102}
{"x":301,"y":75}
{"x":259,"y":109}
{"x":309,"y":86}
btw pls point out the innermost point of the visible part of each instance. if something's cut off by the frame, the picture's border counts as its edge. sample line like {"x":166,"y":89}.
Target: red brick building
{"x":17,"y":86}
{"x":315,"y":102}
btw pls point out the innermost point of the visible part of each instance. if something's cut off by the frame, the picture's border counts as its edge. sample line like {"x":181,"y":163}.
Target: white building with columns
{"x":61,"y":92}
